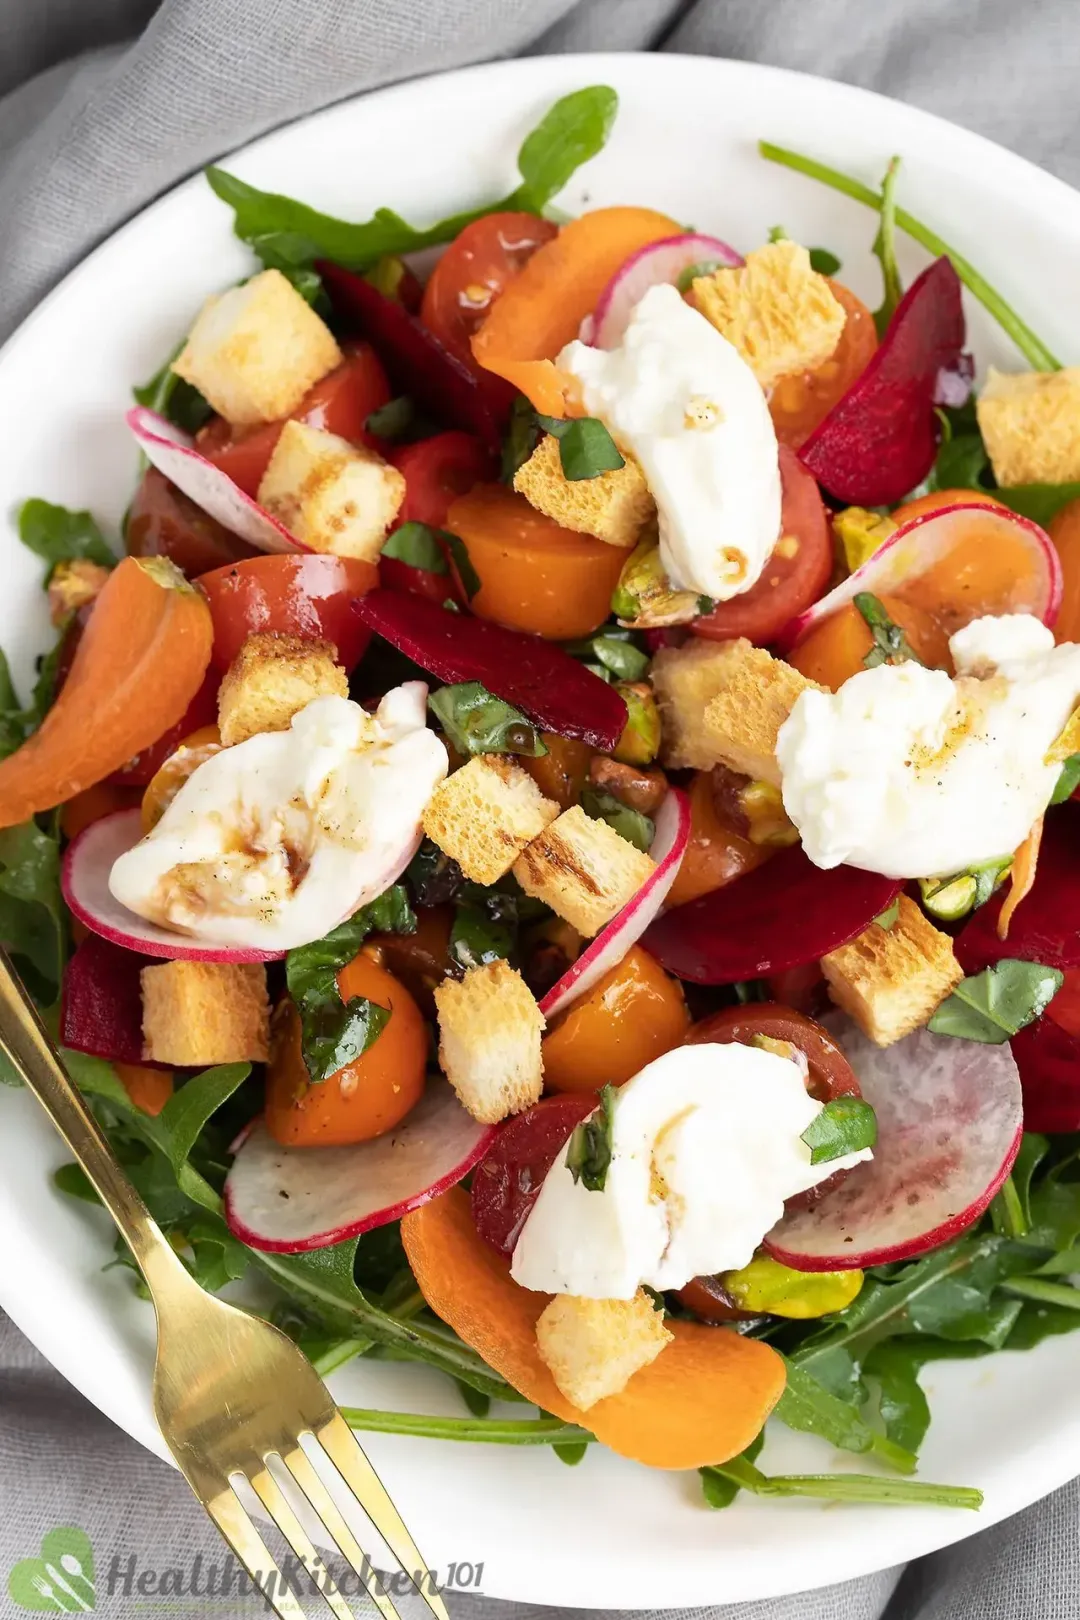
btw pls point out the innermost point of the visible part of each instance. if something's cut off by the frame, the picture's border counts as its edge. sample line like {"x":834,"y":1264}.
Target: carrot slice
{"x":139,"y":663}
{"x":149,"y":1089}
{"x":544,"y":305}
{"x":701,"y":1401}
{"x":1021,"y":877}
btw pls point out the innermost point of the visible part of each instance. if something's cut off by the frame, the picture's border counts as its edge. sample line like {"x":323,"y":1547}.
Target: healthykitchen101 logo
{"x":60,"y":1580}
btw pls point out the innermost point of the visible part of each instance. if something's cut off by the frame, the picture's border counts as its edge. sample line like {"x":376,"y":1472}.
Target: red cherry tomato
{"x":201,"y":711}
{"x":831,"y":1075}
{"x":507,"y":1181}
{"x":470,"y":276}
{"x":341,"y":403}
{"x":795,"y":575}
{"x":162,"y":522}
{"x":309,"y":595}
{"x":437,"y":471}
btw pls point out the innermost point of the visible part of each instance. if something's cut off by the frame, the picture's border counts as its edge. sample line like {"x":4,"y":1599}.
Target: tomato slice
{"x":799,"y":404}
{"x":162,"y":522}
{"x":310,"y":596}
{"x":437,"y":471}
{"x":507,"y":1181}
{"x":341,"y":403}
{"x":831,"y":1075}
{"x":796,"y":574}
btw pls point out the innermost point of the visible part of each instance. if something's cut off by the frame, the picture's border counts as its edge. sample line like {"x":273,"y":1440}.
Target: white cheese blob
{"x":681,"y":399}
{"x":908,"y":772}
{"x":271,"y":843}
{"x":705,"y":1148}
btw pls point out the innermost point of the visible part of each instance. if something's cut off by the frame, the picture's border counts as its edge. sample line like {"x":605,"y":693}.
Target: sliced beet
{"x":778,"y":916}
{"x":1048,"y":1058}
{"x":507,"y":1181}
{"x":101,"y":1004}
{"x":554,"y":690}
{"x":1046,"y":924}
{"x":880,"y":439}
{"x":415,"y":361}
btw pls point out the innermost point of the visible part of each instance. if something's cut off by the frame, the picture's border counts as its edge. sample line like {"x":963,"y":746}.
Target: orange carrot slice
{"x":548,"y":299}
{"x":149,"y":1089}
{"x":701,"y":1401}
{"x":1021,"y":877}
{"x":139,"y":663}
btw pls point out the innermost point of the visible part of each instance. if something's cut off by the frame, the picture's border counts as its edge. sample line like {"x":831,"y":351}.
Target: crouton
{"x":256,"y":350}
{"x":890,"y":980}
{"x":582,"y":869}
{"x":1030,"y":421}
{"x":722,"y":703}
{"x":72,"y":584}
{"x":613,"y":507}
{"x":332,"y":495}
{"x":593,"y":1347}
{"x":484,"y":814}
{"x":197,"y":1013}
{"x":272,"y":678}
{"x":489,"y":1041}
{"x":778,"y":312}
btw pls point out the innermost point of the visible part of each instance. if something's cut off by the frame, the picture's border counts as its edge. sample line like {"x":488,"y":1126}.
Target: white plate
{"x":606,"y":1533}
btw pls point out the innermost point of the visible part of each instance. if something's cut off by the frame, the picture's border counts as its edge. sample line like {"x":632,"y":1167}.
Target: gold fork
{"x":232,"y":1395}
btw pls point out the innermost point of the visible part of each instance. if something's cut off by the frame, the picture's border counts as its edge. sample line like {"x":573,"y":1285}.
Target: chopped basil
{"x":393,"y":421}
{"x":636,"y":828}
{"x":890,"y":916}
{"x":470,"y":579}
{"x":1068,"y":781}
{"x":885,"y":249}
{"x":845,"y":1125}
{"x":476,"y":937}
{"x":170,"y":396}
{"x":992,"y":1005}
{"x":334,"y":1035}
{"x":615,"y":651}
{"x":522,"y":438}
{"x":57,"y":534}
{"x":890,"y":643}
{"x":417,"y":545}
{"x":586,"y":448}
{"x":588,"y":1155}
{"x":478,"y":723}
{"x":432,"y":876}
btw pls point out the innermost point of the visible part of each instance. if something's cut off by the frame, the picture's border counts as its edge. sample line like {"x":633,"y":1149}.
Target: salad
{"x":552,"y":849}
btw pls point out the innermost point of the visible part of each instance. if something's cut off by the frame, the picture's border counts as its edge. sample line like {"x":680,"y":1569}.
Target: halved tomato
{"x":831,"y":1075}
{"x":163,"y":522}
{"x":798,"y":404}
{"x":310,"y":595}
{"x":437,"y":471}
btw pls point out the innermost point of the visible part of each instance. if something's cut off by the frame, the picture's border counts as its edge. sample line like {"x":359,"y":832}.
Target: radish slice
{"x":173,"y":453}
{"x":950,"y":1118}
{"x":285,"y":1200}
{"x":658,"y":262}
{"x":84,"y":880}
{"x":923,"y":547}
{"x":671,"y":836}
{"x":101,"y":1003}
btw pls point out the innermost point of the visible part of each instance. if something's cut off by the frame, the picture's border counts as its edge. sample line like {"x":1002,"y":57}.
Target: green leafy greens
{"x":890,"y":645}
{"x":57,"y":534}
{"x":885,"y":250}
{"x":588,"y":1155}
{"x":633,"y":825}
{"x":845,"y":1125}
{"x":586,"y":448}
{"x":996,"y":1003}
{"x":478,"y":723}
{"x":417,"y":545}
{"x":170,"y":396}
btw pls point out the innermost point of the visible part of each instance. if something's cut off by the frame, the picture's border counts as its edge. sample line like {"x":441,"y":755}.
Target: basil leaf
{"x":1068,"y":781}
{"x":470,"y":579}
{"x":890,"y":645}
{"x":824,"y":262}
{"x":478,"y":723}
{"x":586,"y":448}
{"x":33,"y":925}
{"x":636,"y":828}
{"x":393,"y":421}
{"x":477,"y":938}
{"x":884,"y":249}
{"x":522,"y":438}
{"x":616,"y":651}
{"x":845,"y":1125}
{"x":59,"y":535}
{"x":417,"y":545}
{"x":432,"y":876}
{"x":588,"y":1156}
{"x":992,"y":1005}
{"x":170,"y":396}
{"x":574,"y":130}
{"x":334,"y":1035}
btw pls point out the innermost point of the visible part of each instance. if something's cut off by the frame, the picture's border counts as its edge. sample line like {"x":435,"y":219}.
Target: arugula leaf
{"x":588,"y":1156}
{"x":33,"y":923}
{"x":1068,"y":781}
{"x":334,"y":1032}
{"x":170,"y":396}
{"x":476,"y":722}
{"x":884,"y":249}
{"x":848,"y":1487}
{"x":809,"y":1406}
{"x":574,"y":130}
{"x":719,"y":1490}
{"x":845,"y":1125}
{"x":890,"y":645}
{"x":586,"y":448}
{"x":992,"y":1005}
{"x":57,"y":534}
{"x":417,"y":544}
{"x":636,"y":828}
{"x":523,"y":434}
{"x":477,"y":938}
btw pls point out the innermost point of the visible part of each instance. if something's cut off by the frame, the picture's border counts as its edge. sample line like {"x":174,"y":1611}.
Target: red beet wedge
{"x":1048,"y":1058}
{"x":880,"y":439}
{"x":537,"y":677}
{"x":101,"y":1004}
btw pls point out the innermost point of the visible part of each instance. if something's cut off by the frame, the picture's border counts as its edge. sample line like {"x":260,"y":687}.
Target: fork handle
{"x":24,"y":1039}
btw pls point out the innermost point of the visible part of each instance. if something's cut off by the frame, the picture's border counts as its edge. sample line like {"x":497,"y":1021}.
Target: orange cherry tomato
{"x":834,"y":649}
{"x":149,"y":1089}
{"x":163,"y":787}
{"x":307,"y":595}
{"x":162,"y":522}
{"x":795,"y":575}
{"x":799,"y":404}
{"x":367,"y":1097}
{"x":103,"y":799}
{"x":533,"y":574}
{"x":635,"y":1014}
{"x":716,"y":854}
{"x":419,"y":959}
{"x":831,"y":1075}
{"x":1064,"y":531}
{"x":941,"y":498}
{"x":560,"y":773}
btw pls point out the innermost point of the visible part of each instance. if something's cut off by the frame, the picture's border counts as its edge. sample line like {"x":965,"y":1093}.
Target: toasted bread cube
{"x":582,"y":869}
{"x":613,"y":506}
{"x":332,"y":495}
{"x":1031,"y":423}
{"x":272,"y":678}
{"x":890,"y":980}
{"x":198,"y":1013}
{"x":593,"y":1347}
{"x":484,"y":814}
{"x":722,"y":703}
{"x":781,"y":315}
{"x":72,"y":584}
{"x":255,"y":350}
{"x":489,"y":1041}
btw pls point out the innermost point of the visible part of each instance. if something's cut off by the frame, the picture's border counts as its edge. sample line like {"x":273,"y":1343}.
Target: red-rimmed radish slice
{"x":778,"y":916}
{"x":659,"y":262}
{"x":101,"y":1003}
{"x":959,"y":563}
{"x":173,"y":453}
{"x":509,"y":1176}
{"x":671,"y":836}
{"x":84,"y":880}
{"x":285,"y":1200}
{"x":950,"y":1119}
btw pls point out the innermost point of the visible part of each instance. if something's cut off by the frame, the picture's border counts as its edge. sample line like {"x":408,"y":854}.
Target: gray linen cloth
{"x":108,"y":102}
